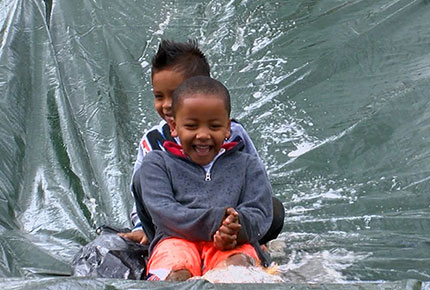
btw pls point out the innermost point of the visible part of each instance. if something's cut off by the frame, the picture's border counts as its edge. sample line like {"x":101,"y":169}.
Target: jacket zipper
{"x":208,"y":173}
{"x":208,"y":176}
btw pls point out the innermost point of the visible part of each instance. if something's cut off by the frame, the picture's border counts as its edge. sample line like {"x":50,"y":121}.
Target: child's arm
{"x":256,"y":206}
{"x":225,"y":237}
{"x":237,"y":130}
{"x":138,"y":235}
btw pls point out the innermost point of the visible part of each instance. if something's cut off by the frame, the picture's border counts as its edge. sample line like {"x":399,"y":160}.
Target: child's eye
{"x":216,"y":126}
{"x":158,"y":97}
{"x":190,"y":126}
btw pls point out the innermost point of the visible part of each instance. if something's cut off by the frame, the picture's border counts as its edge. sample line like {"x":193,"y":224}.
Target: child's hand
{"x":225,"y":237}
{"x":137,"y":236}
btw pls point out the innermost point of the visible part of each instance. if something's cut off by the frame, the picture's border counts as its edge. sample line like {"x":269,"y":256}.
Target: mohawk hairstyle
{"x":184,"y":57}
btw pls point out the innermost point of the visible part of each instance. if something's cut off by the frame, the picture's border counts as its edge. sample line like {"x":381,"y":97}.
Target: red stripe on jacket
{"x":177,"y":150}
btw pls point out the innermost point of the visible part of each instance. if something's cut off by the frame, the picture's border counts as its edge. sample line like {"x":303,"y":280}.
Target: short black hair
{"x":185,"y":57}
{"x":200,"y":85}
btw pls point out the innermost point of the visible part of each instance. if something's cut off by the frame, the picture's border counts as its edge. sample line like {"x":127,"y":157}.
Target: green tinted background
{"x":334,"y":93}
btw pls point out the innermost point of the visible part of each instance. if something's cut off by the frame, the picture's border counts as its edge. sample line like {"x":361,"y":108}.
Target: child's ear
{"x":228,"y":133}
{"x":172,"y":125}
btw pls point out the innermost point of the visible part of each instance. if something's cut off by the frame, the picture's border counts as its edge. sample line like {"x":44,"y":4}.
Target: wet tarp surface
{"x":85,"y":283}
{"x":335,"y":95}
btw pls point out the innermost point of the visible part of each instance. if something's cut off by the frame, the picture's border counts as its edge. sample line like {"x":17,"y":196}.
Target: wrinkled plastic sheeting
{"x":68,"y":90}
{"x":75,"y":97}
{"x":111,"y":256}
{"x":87,"y":283}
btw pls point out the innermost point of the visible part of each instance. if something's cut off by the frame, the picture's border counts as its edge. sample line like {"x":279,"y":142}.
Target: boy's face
{"x":164,"y":82}
{"x":202,"y":124}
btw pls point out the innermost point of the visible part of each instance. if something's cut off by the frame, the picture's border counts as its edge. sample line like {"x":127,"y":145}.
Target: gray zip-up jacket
{"x":153,"y":139}
{"x":183,"y":202}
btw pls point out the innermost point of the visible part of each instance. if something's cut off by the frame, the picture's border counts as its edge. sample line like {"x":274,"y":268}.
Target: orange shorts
{"x":197,"y":257}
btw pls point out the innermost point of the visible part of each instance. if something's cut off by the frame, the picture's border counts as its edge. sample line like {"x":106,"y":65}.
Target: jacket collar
{"x":177,"y":150}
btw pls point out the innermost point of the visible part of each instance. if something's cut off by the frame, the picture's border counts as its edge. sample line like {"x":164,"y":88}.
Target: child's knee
{"x":238,"y":259}
{"x":179,"y":275}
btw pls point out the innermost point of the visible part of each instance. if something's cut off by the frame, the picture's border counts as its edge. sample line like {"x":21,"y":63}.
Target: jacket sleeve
{"x":133,"y":215}
{"x":238,"y":130}
{"x":255,"y":206}
{"x":137,"y":164}
{"x":169,"y":216}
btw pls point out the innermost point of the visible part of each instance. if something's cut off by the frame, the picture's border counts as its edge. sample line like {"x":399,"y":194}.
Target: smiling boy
{"x":210,"y":202}
{"x":173,"y":63}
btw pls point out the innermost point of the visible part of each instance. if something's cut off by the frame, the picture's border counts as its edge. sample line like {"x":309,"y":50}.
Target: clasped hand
{"x":225,"y":238}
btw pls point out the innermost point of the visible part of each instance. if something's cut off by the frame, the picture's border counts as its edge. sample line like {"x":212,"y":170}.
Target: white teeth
{"x":202,"y":148}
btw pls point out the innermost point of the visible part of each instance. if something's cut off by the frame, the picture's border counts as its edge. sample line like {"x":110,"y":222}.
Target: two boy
{"x":173,"y":63}
{"x":210,"y":202}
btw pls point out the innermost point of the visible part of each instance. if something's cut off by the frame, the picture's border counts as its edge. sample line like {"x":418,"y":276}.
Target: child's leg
{"x":174,"y":259}
{"x":243,"y":255}
{"x":277,"y":222}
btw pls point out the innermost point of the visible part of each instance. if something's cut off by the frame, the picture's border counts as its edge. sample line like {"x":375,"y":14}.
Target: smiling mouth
{"x":202,"y":149}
